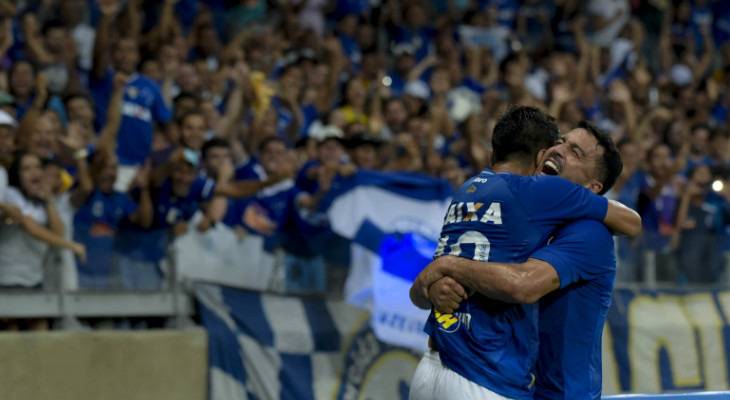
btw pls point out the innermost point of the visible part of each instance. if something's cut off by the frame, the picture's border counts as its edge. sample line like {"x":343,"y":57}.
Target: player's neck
{"x":514,"y":167}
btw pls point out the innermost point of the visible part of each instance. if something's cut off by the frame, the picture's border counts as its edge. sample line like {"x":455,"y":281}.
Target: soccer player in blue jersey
{"x":488,"y":347}
{"x":573,"y":276}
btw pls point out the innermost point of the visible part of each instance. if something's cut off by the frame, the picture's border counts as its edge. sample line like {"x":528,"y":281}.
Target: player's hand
{"x":426,"y":278}
{"x":446,"y":295}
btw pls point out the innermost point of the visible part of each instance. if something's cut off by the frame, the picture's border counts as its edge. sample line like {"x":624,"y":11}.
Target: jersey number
{"x":480,"y":242}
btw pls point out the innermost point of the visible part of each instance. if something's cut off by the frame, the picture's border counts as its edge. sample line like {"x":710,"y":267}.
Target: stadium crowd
{"x":119,"y":120}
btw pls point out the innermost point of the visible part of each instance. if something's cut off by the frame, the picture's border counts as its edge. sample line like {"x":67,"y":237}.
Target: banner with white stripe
{"x":265,"y":346}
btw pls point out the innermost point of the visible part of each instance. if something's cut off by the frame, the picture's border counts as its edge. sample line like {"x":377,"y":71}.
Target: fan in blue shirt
{"x":177,"y":194}
{"x":500,"y":216}
{"x":143,"y":104}
{"x":249,"y":179}
{"x":575,"y":274}
{"x":100,"y":210}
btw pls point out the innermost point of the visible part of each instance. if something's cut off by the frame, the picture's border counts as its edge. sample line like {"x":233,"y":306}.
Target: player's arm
{"x":512,"y":283}
{"x":572,"y":256}
{"x":622,"y":219}
{"x":557,"y":199}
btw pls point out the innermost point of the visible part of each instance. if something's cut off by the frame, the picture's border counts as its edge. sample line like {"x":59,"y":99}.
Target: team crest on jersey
{"x":471,"y":189}
{"x":451,"y":323}
{"x":448,"y":323}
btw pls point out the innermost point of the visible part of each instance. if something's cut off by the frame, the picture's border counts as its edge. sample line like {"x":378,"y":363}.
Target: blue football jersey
{"x":502,"y":217}
{"x":95,"y":225}
{"x":250,"y":170}
{"x":142,"y":106}
{"x":572,"y":318}
{"x":151,"y":244}
{"x":170,"y":210}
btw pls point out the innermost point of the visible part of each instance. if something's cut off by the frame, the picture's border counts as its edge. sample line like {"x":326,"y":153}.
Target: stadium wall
{"x":110,"y":365}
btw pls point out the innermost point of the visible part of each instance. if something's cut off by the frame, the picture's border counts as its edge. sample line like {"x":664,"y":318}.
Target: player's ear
{"x":594,"y":186}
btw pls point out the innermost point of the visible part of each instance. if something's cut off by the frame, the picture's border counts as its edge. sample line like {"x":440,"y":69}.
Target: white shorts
{"x":435,"y":381}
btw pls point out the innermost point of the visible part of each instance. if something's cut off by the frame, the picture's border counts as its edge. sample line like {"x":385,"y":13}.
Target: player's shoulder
{"x":590,"y":229}
{"x":536,"y":186}
{"x":477,"y":184}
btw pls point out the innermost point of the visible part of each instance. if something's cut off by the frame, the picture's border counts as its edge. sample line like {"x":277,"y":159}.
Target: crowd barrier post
{"x":650,"y":269}
{"x":68,"y":321}
{"x":180,"y":320}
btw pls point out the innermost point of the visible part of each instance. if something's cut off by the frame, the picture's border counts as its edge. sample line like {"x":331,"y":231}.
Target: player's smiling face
{"x":573,"y":157}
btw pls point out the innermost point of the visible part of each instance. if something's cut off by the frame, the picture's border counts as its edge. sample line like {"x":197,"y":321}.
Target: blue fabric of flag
{"x":258,"y":352}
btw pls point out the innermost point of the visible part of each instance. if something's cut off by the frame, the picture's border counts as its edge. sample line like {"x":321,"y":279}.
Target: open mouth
{"x":550,"y":168}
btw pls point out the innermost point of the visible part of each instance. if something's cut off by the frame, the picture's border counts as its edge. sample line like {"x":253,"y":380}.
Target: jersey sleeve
{"x":557,"y":200}
{"x":581,"y":250}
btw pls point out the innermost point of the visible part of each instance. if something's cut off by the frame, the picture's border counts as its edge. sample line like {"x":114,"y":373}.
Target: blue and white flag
{"x":265,"y":346}
{"x":393,"y":221}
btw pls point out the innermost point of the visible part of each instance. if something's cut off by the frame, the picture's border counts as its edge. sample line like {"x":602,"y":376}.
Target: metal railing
{"x":66,"y":307}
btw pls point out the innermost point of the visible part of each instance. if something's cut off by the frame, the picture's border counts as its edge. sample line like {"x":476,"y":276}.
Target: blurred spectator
{"x":7,"y":139}
{"x":100,"y":210}
{"x":143,"y":104}
{"x":698,"y":226}
{"x":24,"y":244}
{"x":287,"y":210}
{"x":657,"y":205}
{"x":176,"y":195}
{"x":627,"y":191}
{"x":228,"y":101}
{"x":607,"y":18}
{"x":363,"y":150}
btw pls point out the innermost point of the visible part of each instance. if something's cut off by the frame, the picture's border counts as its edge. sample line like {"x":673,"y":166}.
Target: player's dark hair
{"x":216,"y":142}
{"x":521,"y":132}
{"x":609,"y":167}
